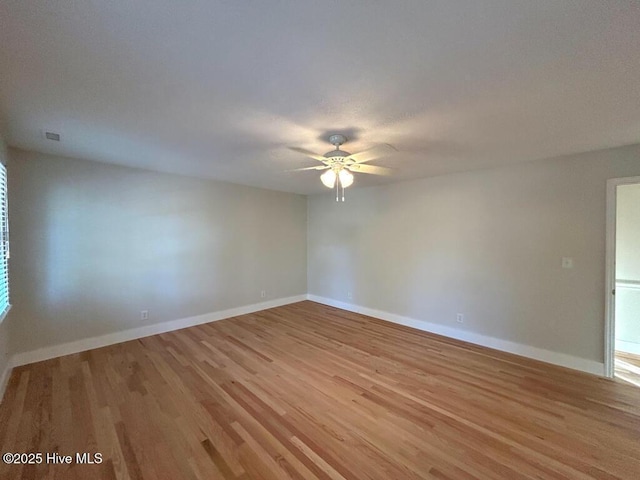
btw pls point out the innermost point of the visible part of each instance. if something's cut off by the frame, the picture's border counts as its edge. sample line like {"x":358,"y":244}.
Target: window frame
{"x":4,"y":241}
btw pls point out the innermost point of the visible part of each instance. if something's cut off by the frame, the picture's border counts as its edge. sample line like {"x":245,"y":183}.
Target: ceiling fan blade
{"x":359,"y":168}
{"x":372,"y":153}
{"x":319,"y":167}
{"x":308,"y":153}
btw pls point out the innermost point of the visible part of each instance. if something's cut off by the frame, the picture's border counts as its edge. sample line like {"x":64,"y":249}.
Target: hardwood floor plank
{"x":627,"y":367}
{"x":307,"y":391}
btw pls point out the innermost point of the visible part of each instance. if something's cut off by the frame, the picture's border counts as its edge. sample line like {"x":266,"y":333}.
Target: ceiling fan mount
{"x":337,"y":140}
{"x":339,"y":163}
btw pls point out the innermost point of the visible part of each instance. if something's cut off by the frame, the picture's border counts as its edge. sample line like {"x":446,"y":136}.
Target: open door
{"x":622,"y":332}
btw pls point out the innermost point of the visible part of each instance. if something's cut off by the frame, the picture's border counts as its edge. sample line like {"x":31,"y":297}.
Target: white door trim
{"x":610,"y":271}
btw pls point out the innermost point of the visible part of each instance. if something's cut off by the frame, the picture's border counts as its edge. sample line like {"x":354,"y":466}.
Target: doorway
{"x":622,"y":333}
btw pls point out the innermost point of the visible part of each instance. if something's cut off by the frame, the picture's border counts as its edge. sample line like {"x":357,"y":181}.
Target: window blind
{"x":4,"y":244}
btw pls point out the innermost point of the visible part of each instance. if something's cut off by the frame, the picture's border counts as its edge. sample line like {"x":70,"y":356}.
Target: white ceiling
{"x":219,"y":89}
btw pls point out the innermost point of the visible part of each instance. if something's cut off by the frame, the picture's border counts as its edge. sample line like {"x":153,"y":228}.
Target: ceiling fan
{"x":339,"y":163}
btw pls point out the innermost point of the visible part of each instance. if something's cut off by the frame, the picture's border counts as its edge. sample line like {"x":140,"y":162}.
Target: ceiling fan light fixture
{"x":339,"y":163}
{"x":329,"y":178}
{"x":346,"y":178}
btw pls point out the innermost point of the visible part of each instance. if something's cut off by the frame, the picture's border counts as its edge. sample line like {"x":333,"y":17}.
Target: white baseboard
{"x":562,"y":359}
{"x":54,"y":351}
{"x":628,"y":347}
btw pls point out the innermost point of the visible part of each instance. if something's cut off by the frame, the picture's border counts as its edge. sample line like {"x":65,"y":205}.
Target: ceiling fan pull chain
{"x":342,"y":191}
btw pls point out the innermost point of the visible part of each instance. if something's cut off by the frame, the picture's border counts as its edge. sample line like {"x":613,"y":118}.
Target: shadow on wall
{"x":95,"y":245}
{"x":102,"y":254}
{"x":111,"y":243}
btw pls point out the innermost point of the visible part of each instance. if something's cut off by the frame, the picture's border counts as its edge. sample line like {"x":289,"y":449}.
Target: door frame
{"x":610,"y":272}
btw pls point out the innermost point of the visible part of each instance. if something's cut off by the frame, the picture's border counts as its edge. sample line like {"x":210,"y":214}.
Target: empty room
{"x":320,"y":240}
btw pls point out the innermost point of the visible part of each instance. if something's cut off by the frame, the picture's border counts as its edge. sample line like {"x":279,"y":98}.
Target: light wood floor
{"x":627,"y":368}
{"x":307,"y":391}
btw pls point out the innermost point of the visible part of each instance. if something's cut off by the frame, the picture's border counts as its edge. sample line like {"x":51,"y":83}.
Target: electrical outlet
{"x":350,"y":295}
{"x":263,"y":294}
{"x":144,"y":315}
{"x":460,"y":318}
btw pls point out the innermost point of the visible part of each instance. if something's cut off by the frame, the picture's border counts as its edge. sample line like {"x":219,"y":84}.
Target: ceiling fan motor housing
{"x":336,"y":157}
{"x":336,"y":154}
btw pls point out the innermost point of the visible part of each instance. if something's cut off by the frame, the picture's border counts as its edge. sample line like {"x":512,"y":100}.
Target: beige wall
{"x":94,"y":244}
{"x":5,"y":351}
{"x":628,"y":268}
{"x":487,"y":244}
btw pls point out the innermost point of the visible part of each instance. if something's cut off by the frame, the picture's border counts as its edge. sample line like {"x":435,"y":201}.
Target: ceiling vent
{"x":52,"y":136}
